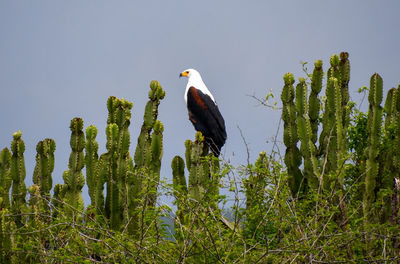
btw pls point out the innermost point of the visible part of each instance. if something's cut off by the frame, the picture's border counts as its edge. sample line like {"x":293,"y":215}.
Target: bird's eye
{"x":187,"y":72}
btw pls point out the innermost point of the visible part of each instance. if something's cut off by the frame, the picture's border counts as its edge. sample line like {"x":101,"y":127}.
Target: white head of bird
{"x":195,"y":80}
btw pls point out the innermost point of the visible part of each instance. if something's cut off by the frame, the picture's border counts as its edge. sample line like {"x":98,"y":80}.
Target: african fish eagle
{"x":203,"y":111}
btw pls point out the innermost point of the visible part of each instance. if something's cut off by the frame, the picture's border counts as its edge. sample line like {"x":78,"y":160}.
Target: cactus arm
{"x":58,"y":197}
{"x":180,"y":187}
{"x":18,"y":173}
{"x":73,"y":177}
{"x":155,"y":165}
{"x":314,"y":103}
{"x":143,"y":154}
{"x":43,"y":170}
{"x":374,"y":129}
{"x":344,"y":74}
{"x":5,"y":178}
{"x":91,"y":161}
{"x":292,"y":155}
{"x":304,"y":132}
{"x":388,"y":154}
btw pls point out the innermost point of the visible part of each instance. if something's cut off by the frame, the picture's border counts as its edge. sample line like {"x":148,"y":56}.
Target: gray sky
{"x":62,"y":59}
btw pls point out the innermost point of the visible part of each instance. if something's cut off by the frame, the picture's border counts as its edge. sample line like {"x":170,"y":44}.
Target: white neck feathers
{"x":195,"y":80}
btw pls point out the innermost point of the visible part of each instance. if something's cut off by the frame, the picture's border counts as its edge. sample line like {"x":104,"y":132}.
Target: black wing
{"x":206,"y":118}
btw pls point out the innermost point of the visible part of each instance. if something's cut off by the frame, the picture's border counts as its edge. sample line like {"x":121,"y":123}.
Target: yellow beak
{"x":183,"y":74}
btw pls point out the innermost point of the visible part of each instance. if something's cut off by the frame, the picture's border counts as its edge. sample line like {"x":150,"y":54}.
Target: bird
{"x":203,"y":111}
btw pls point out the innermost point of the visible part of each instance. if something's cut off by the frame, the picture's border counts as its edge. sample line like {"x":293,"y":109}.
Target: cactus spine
{"x":5,"y":178}
{"x":290,"y":138}
{"x":374,"y":129}
{"x":73,"y":177}
{"x":43,"y":169}
{"x":18,"y":173}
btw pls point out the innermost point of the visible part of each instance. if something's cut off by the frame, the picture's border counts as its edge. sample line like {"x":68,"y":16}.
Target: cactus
{"x":43,"y":169}
{"x":73,"y":177}
{"x":118,"y":142}
{"x":301,"y":122}
{"x":374,"y":129}
{"x":91,"y":161}
{"x":396,"y":119}
{"x":101,"y":174}
{"x":180,"y":187}
{"x":304,"y":131}
{"x":314,"y":103}
{"x":328,"y":120}
{"x":18,"y":173}
{"x":57,"y":200}
{"x":199,"y":172}
{"x":7,"y":238}
{"x":143,"y":156}
{"x":290,"y":138}
{"x":202,"y":186}
{"x":156,"y":155}
{"x":344,"y":78}
{"x":5,"y":178}
{"x":36,"y":206}
{"x":387,"y":156}
{"x":145,"y":174}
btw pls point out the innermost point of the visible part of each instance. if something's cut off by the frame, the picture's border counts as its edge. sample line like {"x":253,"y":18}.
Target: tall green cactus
{"x":199,"y":170}
{"x":301,"y":122}
{"x":118,"y":142}
{"x":387,"y":157}
{"x":290,"y":138}
{"x":374,"y":129}
{"x":143,"y":155}
{"x":304,"y":132}
{"x":328,"y":120}
{"x":202,"y":185}
{"x":18,"y":173}
{"x":73,"y":177}
{"x":43,"y":169}
{"x":91,"y":161}
{"x":57,"y":200}
{"x":314,"y":103}
{"x":344,"y":78}
{"x":156,"y":156}
{"x":5,"y":178}
{"x":145,"y":174}
{"x":180,"y":187}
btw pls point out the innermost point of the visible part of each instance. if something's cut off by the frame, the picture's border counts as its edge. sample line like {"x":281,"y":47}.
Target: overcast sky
{"x":62,"y":59}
